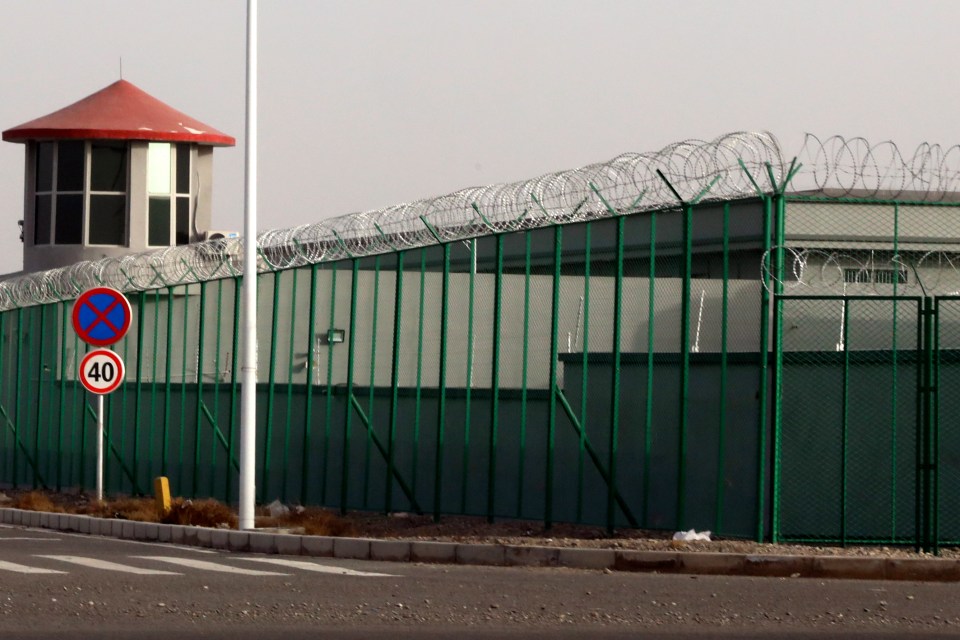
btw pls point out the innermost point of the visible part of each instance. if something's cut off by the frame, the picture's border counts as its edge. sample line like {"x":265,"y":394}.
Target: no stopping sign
{"x":101,"y":371}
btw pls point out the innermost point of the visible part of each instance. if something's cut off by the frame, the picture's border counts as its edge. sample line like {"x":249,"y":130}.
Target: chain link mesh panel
{"x":848,"y":422}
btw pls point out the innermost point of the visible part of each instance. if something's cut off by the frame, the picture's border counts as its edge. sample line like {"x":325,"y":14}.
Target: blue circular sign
{"x":101,"y":316}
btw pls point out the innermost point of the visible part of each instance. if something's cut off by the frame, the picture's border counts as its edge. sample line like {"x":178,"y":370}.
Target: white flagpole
{"x":248,"y":369}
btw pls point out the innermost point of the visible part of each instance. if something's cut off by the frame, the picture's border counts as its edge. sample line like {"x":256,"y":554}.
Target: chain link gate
{"x":866,"y":429}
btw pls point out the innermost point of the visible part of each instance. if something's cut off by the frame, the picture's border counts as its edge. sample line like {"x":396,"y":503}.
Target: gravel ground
{"x":478,"y":530}
{"x":464,"y":529}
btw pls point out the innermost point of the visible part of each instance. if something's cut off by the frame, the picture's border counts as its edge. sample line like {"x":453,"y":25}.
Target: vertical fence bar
{"x":585,"y":365}
{"x":780,"y":206}
{"x":234,"y":381}
{"x":79,"y":412}
{"x":442,"y":385}
{"x":271,"y":385}
{"x":934,"y":431}
{"x":153,"y":380}
{"x":722,"y":426}
{"x":469,"y":375}
{"x":39,"y":418}
{"x":121,"y":452}
{"x":290,"y":354}
{"x":183,"y":385}
{"x":523,"y":372}
{"x":141,"y":314}
{"x":615,"y":383}
{"x":308,"y":400}
{"x":684,"y":365}
{"x":168,"y":384}
{"x":51,"y":370}
{"x":495,"y":381}
{"x":764,"y":349}
{"x":348,"y":409}
{"x":195,"y":484}
{"x":651,"y":326}
{"x":64,"y":320}
{"x":552,"y":413}
{"x":895,"y":394}
{"x":328,"y":418}
{"x":845,"y":425}
{"x":373,"y":382}
{"x":17,"y":396}
{"x":417,"y":398}
{"x":217,"y":373}
{"x":3,"y":382}
{"x":394,"y":380}
{"x":920,"y":431}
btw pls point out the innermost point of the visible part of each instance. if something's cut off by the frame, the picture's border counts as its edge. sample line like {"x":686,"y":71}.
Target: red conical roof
{"x":120,"y":111}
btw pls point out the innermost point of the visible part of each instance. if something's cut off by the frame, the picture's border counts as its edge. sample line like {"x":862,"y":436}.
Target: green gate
{"x":867,"y":420}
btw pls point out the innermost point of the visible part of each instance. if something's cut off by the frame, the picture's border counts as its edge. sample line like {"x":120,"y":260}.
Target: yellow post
{"x":161,"y":490}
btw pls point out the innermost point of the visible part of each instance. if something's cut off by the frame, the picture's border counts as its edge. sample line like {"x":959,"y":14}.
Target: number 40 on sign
{"x":101,"y":371}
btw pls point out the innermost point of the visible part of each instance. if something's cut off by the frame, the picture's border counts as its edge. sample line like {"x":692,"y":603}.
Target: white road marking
{"x":94,"y":563}
{"x":22,"y":568}
{"x":319,"y":568}
{"x":34,"y":539}
{"x":209,"y":566}
{"x":87,"y":536}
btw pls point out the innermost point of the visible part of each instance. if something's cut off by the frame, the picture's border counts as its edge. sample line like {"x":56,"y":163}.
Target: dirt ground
{"x":408,"y":526}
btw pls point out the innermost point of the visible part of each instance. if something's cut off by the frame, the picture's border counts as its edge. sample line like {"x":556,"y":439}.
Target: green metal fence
{"x":781,"y":367}
{"x":866,"y":323}
{"x":612,"y":371}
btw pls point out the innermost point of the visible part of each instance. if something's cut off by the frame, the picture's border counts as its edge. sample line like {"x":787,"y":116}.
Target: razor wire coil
{"x":628,"y":183}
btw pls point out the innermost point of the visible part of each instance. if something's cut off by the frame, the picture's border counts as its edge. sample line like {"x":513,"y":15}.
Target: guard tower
{"x":117,"y":172}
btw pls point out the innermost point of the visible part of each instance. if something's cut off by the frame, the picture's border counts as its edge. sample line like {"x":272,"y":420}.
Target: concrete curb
{"x":921,"y":569}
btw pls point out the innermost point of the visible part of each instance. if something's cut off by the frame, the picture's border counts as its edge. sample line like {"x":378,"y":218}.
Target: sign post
{"x":101,"y":317}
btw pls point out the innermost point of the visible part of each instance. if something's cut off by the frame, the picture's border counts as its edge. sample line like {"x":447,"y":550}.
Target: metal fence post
{"x":615,"y":383}
{"x":442,"y":385}
{"x":552,"y":410}
{"x":394,"y":380}
{"x":495,"y":382}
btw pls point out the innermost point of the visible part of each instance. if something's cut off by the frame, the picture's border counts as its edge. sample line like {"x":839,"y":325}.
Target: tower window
{"x":80,"y":193}
{"x":168,"y":190}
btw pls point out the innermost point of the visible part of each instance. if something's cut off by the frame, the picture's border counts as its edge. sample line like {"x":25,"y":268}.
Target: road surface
{"x":55,"y":584}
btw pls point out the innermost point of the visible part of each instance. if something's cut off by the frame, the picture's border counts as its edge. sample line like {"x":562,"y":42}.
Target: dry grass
{"x":200,"y":513}
{"x":36,"y":501}
{"x":313,"y":521}
{"x":140,"y":509}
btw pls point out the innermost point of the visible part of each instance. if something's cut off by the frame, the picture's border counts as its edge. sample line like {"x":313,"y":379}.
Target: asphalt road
{"x":55,"y":584}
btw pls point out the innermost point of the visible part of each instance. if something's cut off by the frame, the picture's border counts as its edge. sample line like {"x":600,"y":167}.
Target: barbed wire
{"x":626,"y":184}
{"x":843,"y":167}
{"x":864,"y":272}
{"x":835,"y":166}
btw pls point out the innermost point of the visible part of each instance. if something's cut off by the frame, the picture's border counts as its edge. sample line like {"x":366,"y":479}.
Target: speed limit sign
{"x":101,"y":371}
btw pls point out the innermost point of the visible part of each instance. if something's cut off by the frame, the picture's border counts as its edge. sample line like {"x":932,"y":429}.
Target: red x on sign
{"x":101,"y":316}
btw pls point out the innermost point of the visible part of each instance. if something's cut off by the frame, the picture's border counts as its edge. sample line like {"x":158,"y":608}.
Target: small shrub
{"x":36,"y":501}
{"x":318,"y":522}
{"x":200,"y":513}
{"x":140,"y":509}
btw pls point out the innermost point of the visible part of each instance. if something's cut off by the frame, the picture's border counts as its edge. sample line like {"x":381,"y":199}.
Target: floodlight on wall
{"x":332,"y":336}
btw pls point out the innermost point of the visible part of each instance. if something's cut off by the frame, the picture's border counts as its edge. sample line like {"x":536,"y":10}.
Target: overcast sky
{"x":365,"y":103}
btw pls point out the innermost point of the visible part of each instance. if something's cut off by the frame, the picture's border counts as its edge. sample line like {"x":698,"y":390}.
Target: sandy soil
{"x":410,"y":526}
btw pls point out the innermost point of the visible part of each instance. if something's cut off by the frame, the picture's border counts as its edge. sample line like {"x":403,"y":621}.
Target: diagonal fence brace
{"x":596,"y":458}
{"x":217,"y":432}
{"x":383,"y":452}
{"x":23,"y":447}
{"x":116,"y":454}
